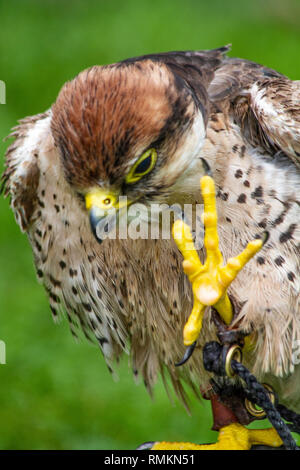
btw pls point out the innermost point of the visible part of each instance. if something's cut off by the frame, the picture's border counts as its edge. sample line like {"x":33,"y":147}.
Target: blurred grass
{"x":56,"y":394}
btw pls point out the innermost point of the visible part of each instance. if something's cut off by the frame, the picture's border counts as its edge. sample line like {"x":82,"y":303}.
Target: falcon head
{"x":130,"y":129}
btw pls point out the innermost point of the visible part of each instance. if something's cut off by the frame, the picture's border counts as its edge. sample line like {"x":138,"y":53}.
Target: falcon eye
{"x":142,"y":167}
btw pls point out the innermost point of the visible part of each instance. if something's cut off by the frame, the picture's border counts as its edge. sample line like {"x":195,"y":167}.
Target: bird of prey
{"x":143,"y":128}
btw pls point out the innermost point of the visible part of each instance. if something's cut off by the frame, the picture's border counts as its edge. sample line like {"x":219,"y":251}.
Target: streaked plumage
{"x":132,"y":295}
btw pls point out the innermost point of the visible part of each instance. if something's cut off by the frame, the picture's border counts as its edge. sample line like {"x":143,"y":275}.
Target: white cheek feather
{"x":185,"y":165}
{"x":186,"y":154}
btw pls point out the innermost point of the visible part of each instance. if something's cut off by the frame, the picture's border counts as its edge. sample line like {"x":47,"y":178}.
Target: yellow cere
{"x":142,"y":166}
{"x":101,"y":199}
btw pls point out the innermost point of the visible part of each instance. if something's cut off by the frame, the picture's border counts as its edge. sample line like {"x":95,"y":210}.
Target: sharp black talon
{"x":146,"y":446}
{"x":188,"y":353}
{"x":265,"y":237}
{"x":206,"y":167}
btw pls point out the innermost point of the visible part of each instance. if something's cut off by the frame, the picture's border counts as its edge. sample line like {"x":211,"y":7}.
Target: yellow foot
{"x":231,"y":437}
{"x":210,"y":280}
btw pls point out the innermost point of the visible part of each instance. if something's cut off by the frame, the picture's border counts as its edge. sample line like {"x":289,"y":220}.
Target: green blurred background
{"x":54,"y":393}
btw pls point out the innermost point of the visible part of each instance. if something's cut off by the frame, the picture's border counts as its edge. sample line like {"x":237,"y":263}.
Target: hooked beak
{"x":104,"y":207}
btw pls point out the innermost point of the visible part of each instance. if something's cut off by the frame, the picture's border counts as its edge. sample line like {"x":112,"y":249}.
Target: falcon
{"x":150,"y":128}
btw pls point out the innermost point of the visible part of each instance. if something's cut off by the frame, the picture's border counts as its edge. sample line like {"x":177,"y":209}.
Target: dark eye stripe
{"x":143,"y":166}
